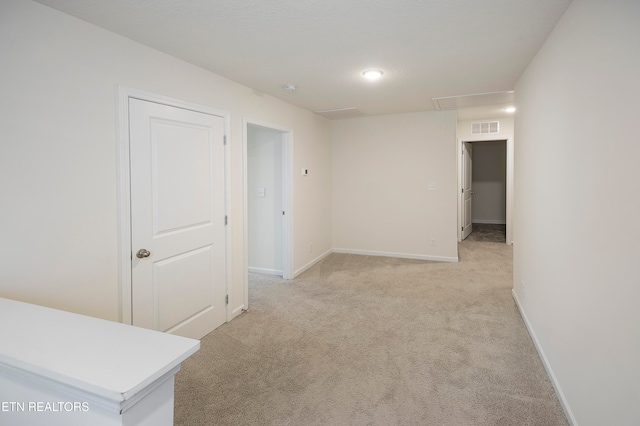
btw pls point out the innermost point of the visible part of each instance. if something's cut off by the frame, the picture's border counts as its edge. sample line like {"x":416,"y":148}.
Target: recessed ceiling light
{"x":372,"y":75}
{"x":289,"y":87}
{"x":510,"y":109}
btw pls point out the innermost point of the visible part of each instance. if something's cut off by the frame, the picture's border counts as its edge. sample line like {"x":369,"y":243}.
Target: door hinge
{"x":226,"y":299}
{"x":226,"y":221}
{"x":282,"y":212}
{"x":224,"y":139}
{"x":463,"y":190}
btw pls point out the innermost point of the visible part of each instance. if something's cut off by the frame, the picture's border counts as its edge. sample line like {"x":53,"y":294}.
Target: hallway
{"x":378,"y":341}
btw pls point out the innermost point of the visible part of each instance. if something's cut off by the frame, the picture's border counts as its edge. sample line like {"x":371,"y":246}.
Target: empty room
{"x":370,"y":213}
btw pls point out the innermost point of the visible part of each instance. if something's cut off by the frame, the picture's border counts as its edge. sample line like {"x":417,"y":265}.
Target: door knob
{"x":143,"y":253}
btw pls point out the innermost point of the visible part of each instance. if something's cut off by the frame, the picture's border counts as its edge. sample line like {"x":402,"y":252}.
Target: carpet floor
{"x":363,"y":340}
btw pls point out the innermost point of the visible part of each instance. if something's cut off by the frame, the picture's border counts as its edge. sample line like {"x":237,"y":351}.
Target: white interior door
{"x":177,"y":219}
{"x":467,"y":189}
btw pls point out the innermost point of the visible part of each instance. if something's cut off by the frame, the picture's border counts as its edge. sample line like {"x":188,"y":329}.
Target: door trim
{"x":509,"y":182}
{"x":467,"y":163}
{"x":123,"y":94}
{"x":287,"y":174}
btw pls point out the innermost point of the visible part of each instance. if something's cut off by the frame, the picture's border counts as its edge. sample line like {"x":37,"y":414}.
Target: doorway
{"x":267,"y":202}
{"x":486,"y":190}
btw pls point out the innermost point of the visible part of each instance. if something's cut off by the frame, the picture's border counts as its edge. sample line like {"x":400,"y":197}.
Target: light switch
{"x":431,"y":186}
{"x":260,"y":192}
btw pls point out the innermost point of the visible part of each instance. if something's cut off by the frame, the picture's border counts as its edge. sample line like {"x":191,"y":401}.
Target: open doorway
{"x":486,"y":182}
{"x":267,"y":204}
{"x":264,"y":199}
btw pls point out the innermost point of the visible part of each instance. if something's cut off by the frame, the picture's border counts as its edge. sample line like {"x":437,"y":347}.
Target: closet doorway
{"x":267,"y":202}
{"x":486,"y":190}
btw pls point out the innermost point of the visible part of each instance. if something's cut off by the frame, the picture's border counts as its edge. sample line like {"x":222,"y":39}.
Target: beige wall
{"x":382,"y":166}
{"x":58,"y":179}
{"x":576,"y":209}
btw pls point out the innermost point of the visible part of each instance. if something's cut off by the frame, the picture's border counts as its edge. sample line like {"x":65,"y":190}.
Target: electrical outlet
{"x":524,"y":289}
{"x":433,"y":242}
{"x":310,"y":248}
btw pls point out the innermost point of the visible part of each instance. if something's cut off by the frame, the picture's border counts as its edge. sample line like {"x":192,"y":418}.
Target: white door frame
{"x":467,"y":190}
{"x":509,"y":182}
{"x":287,"y":223}
{"x":124,"y":188}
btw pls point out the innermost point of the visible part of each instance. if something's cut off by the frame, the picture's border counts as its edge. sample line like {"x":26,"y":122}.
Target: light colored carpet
{"x":360,"y":340}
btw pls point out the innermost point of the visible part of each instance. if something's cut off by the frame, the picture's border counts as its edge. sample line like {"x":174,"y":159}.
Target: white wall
{"x":381,"y":168}
{"x":58,"y":182}
{"x":264,"y":170}
{"x":489,"y":178}
{"x":576,"y":208}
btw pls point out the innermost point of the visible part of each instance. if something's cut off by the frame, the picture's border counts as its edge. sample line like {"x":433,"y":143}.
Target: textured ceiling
{"x":426,"y":48}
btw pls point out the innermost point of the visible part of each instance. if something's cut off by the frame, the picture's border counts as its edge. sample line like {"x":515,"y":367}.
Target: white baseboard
{"x":401,"y":255}
{"x":489,"y":221}
{"x":265,"y":271}
{"x":237,"y":311}
{"x":310,"y":264}
{"x":545,"y":362}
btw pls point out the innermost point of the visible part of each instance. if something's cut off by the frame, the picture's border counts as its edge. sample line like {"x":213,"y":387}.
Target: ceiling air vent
{"x":487,"y":127}
{"x":340,"y":113}
{"x":479,"y":99}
